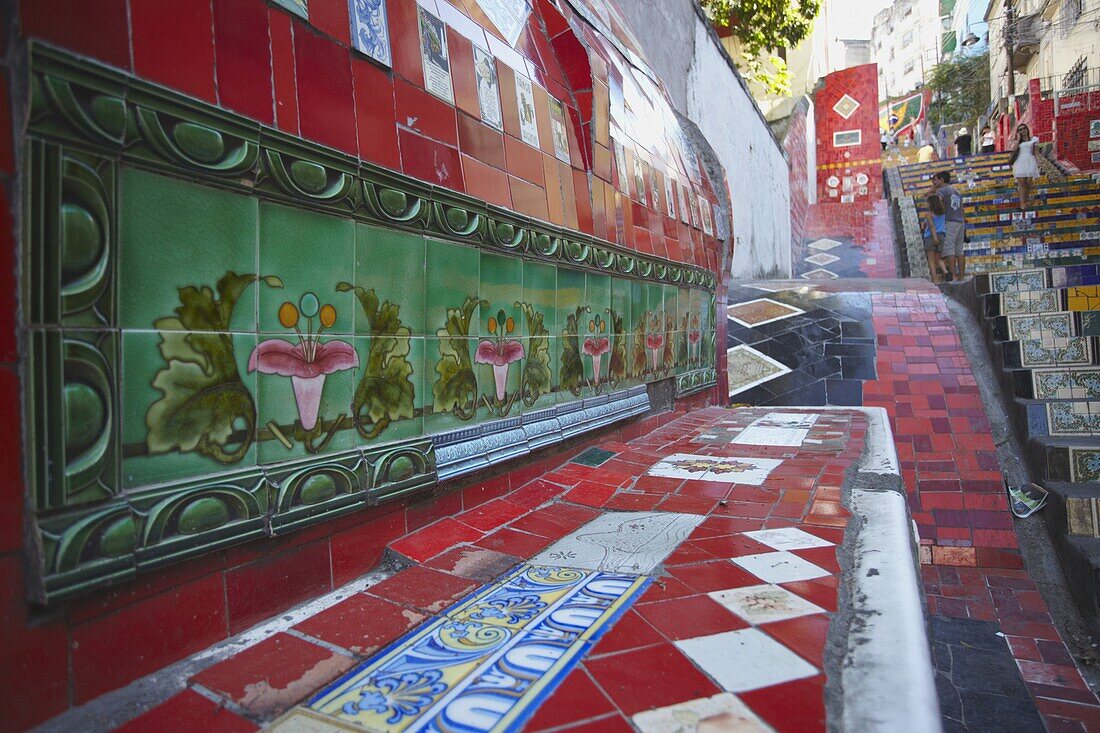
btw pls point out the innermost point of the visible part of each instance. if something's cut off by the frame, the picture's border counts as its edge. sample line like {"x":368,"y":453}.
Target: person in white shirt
{"x":1025,"y":167}
{"x":989,"y":144}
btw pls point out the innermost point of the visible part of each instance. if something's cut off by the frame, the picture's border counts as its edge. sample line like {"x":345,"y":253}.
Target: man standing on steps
{"x":955,"y":234}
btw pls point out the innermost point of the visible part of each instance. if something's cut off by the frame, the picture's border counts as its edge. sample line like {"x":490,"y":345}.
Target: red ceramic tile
{"x":433,"y":509}
{"x":631,"y":631}
{"x":542,"y":524}
{"x":263,"y":588}
{"x":362,"y":624}
{"x":275,"y":674}
{"x":690,"y":617}
{"x":484,"y":491}
{"x":430,"y":161}
{"x":461,"y":51}
{"x":405,"y":45}
{"x":524,"y":161}
{"x":435,"y":538}
{"x":511,"y":542}
{"x":243,"y":51}
{"x":375,"y":115}
{"x":688,"y":553}
{"x":423,"y":588}
{"x":555,"y":206}
{"x":331,"y":17}
{"x":113,"y":650}
{"x":480,"y":141}
{"x":486,"y":183}
{"x":425,"y":113}
{"x":535,"y":493}
{"x":96,"y":28}
{"x":629,"y":679}
{"x":577,"y":698}
{"x":492,"y":515}
{"x":188,"y":711}
{"x":804,"y":635}
{"x":731,"y":546}
{"x":712,"y":576}
{"x":359,"y":548}
{"x":475,"y":563}
{"x":528,"y":198}
{"x":11,"y":485}
{"x":282,"y":71}
{"x":823,"y":557}
{"x":326,"y":107}
{"x":509,"y":107}
{"x":794,"y":707}
{"x":166,"y":33}
{"x":542,"y":119}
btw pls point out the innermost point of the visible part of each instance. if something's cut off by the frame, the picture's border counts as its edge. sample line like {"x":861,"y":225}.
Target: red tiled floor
{"x":712,"y":576}
{"x":804,"y":635}
{"x":629,"y":679}
{"x":794,"y":707}
{"x":362,"y":624}
{"x":629,"y":632}
{"x":273,"y":675}
{"x":423,"y":588}
{"x":188,"y":711}
{"x":576,"y":699}
{"x":434,"y":539}
{"x":689,"y":617}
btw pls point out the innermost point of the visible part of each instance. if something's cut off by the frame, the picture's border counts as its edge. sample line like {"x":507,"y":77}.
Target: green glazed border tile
{"x":453,"y":277}
{"x":392,"y":263}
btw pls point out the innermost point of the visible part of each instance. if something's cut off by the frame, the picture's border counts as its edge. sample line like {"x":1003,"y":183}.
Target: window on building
{"x":907,"y":38}
{"x":1076,"y":75}
{"x":908,"y":68}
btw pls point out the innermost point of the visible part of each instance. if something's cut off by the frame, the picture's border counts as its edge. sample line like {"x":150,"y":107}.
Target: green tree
{"x":763,"y":26}
{"x":960,"y":89}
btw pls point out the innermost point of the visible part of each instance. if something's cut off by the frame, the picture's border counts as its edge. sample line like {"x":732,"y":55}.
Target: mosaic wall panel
{"x":233,"y":333}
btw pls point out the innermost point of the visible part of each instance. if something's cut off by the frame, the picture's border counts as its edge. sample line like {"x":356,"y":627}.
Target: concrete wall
{"x":706,"y":88}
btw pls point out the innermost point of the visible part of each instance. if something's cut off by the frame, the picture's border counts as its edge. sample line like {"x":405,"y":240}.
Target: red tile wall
{"x":794,"y":144}
{"x":860,"y":83}
{"x":257,"y":59}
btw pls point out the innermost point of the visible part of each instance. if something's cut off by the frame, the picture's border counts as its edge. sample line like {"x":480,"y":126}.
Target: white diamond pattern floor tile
{"x":787,"y":538}
{"x":746,"y":659}
{"x":763,"y":604}
{"x":824,"y":245}
{"x":821,"y":259}
{"x":780,"y":567}
{"x":722,"y":712}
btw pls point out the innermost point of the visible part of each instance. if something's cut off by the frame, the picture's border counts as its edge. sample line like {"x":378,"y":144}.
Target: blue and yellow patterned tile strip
{"x":488,"y":661}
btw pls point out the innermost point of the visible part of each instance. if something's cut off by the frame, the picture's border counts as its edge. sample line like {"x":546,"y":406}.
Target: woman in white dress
{"x":1025,"y":167}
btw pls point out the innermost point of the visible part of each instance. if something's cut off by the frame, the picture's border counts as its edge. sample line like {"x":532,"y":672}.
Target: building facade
{"x":905,"y":43}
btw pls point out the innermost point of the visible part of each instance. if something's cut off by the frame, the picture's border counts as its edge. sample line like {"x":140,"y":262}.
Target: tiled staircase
{"x":1037,"y":295}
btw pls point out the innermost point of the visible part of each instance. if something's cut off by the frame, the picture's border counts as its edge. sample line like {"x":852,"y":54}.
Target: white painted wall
{"x":704,"y":87}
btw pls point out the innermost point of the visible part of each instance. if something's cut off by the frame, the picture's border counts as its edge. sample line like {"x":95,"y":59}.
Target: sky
{"x":852,"y":18}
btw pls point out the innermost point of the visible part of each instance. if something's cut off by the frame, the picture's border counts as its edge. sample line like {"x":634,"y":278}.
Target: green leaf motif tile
{"x":180,"y":420}
{"x":392,"y":264}
{"x":501,"y":287}
{"x":311,"y":253}
{"x":173,"y":235}
{"x":540,"y":285}
{"x":455,"y":388}
{"x":453,"y":275}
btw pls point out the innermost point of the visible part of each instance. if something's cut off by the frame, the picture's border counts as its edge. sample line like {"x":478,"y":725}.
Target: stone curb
{"x":883,"y":679}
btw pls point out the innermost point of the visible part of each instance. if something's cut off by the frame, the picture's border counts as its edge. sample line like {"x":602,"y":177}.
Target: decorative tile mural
{"x":485,"y":663}
{"x":246,"y":333}
{"x":369,"y":30}
{"x":748,"y":368}
{"x":760,"y":311}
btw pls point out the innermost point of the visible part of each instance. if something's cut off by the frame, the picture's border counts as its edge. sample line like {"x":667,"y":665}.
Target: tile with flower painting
{"x":751,"y":471}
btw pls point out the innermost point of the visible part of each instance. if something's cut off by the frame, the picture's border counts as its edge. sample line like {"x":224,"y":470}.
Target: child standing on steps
{"x":1025,"y":168}
{"x":955,"y":225}
{"x":935,"y":228}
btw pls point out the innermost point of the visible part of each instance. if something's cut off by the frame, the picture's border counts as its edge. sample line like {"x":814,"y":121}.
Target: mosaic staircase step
{"x":1063,"y":418}
{"x":1072,"y":461}
{"x":1046,"y":300}
{"x":1049,"y":351}
{"x":1072,"y":383}
{"x":1062,"y":324}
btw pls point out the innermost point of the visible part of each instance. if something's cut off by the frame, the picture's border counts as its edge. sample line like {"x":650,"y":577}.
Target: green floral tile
{"x":499,"y":378}
{"x":540,"y":285}
{"x":501,"y":287}
{"x":173,"y":235}
{"x":311,"y":253}
{"x":598,"y":293}
{"x":570,"y":296}
{"x":655,"y":298}
{"x":171,"y":429}
{"x":391,"y":263}
{"x":672,"y":303}
{"x":452,"y":283}
{"x":388,"y":397}
{"x":451,"y":384}
{"x":596,"y":342}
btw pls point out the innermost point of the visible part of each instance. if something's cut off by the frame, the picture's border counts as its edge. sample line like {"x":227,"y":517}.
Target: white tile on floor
{"x":784,"y":437}
{"x":824,"y":245}
{"x":746,"y":659}
{"x":731,"y":469}
{"x":621,"y":542}
{"x":787,"y":538}
{"x":787,"y":420}
{"x":780,"y":567}
{"x":763,"y":604}
{"x":721,"y":712}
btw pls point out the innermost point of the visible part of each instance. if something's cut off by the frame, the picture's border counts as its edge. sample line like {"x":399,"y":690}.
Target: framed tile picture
{"x":433,"y":52}
{"x":369,"y":30}
{"x":847,"y":138}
